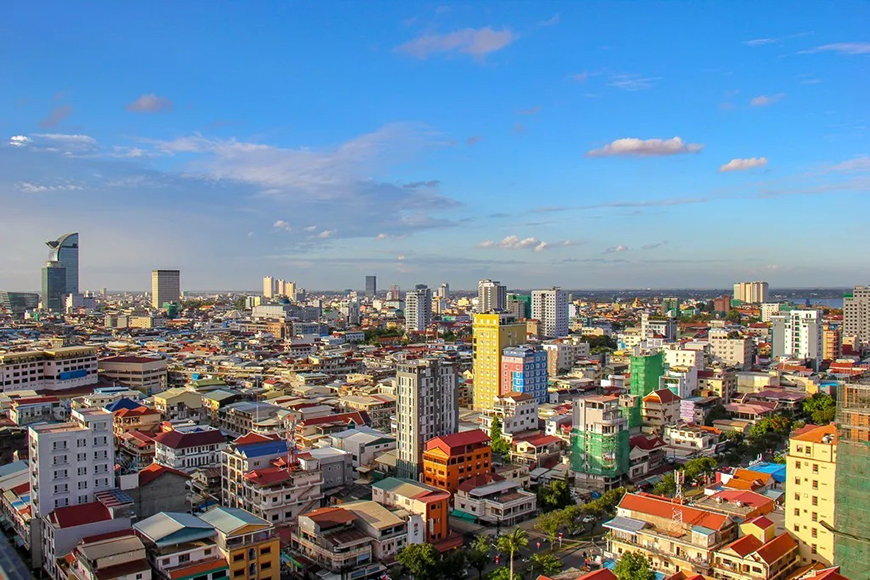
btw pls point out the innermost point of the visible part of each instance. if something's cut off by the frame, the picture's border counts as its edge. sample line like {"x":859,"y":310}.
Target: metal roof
{"x":624,"y":524}
{"x":170,"y":528}
{"x":227,"y":520}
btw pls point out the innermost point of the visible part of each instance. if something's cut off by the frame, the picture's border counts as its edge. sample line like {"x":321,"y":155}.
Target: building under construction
{"x":852,"y":507}
{"x":599,"y":443}
{"x":646,"y":370}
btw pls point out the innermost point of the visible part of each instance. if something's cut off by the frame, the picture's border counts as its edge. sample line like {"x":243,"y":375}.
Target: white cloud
{"x":744,"y":164}
{"x":859,"y":163}
{"x":150,"y":103}
{"x":58,"y":142}
{"x":654,"y":245}
{"x":645,"y":147}
{"x":764,"y":100}
{"x":580,"y":77}
{"x":20,"y":141}
{"x":476,"y":42}
{"x":514,"y":242}
{"x":616,"y":249}
{"x":485,"y":244}
{"x":760,"y":41}
{"x":848,"y":48}
{"x":309,"y":228}
{"x":28,"y":187}
{"x":325,"y":234}
{"x":281,"y":225}
{"x":632,"y":82}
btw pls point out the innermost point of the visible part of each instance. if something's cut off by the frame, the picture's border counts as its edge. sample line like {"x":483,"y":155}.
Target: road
{"x":12,"y":567}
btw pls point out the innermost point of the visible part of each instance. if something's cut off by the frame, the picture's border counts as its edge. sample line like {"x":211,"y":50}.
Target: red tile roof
{"x":479,"y":481}
{"x":178,"y":440}
{"x":761,"y":521}
{"x":748,"y":498}
{"x":79,"y":515}
{"x":453,"y":441}
{"x":34,"y":400}
{"x":154,"y":471}
{"x":254,"y":438}
{"x":828,"y":574}
{"x":198,"y":568}
{"x":664,"y":508}
{"x":646,"y":443}
{"x":137,"y":412}
{"x":602,"y":574}
{"x":663,"y":396}
{"x":538,"y":440}
{"x":777,"y":548}
{"x":330,"y":517}
{"x":357,"y":417}
{"x":268,"y":475}
{"x":745,"y":545}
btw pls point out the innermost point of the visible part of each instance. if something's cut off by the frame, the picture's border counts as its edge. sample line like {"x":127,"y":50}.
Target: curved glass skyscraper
{"x":65,"y":250}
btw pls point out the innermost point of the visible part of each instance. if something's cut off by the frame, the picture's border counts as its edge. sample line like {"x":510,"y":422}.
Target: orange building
{"x":451,"y":459}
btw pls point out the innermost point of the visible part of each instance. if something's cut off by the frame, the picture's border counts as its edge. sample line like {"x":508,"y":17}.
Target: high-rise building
{"x":165,"y":287}
{"x":492,"y":334}
{"x":371,"y":286}
{"x":599,"y":442}
{"x":856,"y":314}
{"x":444,"y":291}
{"x":427,"y":407}
{"x":646,"y":370}
{"x":17,"y":303}
{"x":418,"y":309}
{"x":751,"y":292}
{"x":491,"y":296}
{"x":832,"y":342}
{"x":550,"y":309}
{"x":812,"y":463}
{"x":53,"y":286}
{"x":797,"y":334}
{"x":520,"y":305}
{"x":524,"y":370}
{"x":65,"y":250}
{"x":268,"y":287}
{"x":394,"y":293}
{"x":852,"y":486}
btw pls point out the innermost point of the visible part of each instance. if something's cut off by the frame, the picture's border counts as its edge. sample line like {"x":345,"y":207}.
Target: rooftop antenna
{"x":679,"y":479}
{"x":292,"y":460}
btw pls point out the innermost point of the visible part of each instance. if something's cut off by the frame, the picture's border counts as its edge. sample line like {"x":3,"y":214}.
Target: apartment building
{"x":114,"y":556}
{"x":562,"y":353}
{"x":856,"y":314}
{"x":674,"y":537}
{"x":187,"y":449}
{"x":428,"y":502}
{"x":660,"y":408}
{"x":810,"y":497}
{"x":717,"y":383}
{"x":451,"y":459}
{"x":751,"y":292}
{"x":165,"y":287}
{"x":140,"y":418}
{"x":550,"y":309}
{"x":599,"y":442}
{"x":181,"y":546}
{"x":418,"y":309}
{"x":524,"y":370}
{"x":491,"y":296}
{"x":758,"y":556}
{"x":247,"y":542}
{"x":427,"y":407}
{"x":55,"y":369}
{"x":517,"y":413}
{"x":797,"y":334}
{"x":731,"y":349}
{"x":145,"y":374}
{"x":492,"y":334}
{"x":260,"y":474}
{"x":493,"y":500}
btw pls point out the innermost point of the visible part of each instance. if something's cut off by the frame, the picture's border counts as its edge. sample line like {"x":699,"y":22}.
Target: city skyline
{"x":539,"y":144}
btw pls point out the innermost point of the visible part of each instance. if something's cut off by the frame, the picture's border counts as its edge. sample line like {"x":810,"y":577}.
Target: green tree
{"x":500,"y":445}
{"x":549,"y":523}
{"x":544,"y":564}
{"x":820,"y":409}
{"x":634,"y":566}
{"x":502,"y":574}
{"x":695,"y":468}
{"x":513,"y":542}
{"x":421,"y":560}
{"x":452,"y":565}
{"x":667,"y":485}
{"x":573,"y":516}
{"x":717,"y":413}
{"x":478,"y":554}
{"x":555,"y":496}
{"x":733,"y":316}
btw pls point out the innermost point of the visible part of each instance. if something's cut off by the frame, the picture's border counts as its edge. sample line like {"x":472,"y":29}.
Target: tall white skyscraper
{"x":797,"y":334}
{"x":856,"y":314}
{"x":268,"y":287}
{"x":165,"y":287}
{"x":550,"y":309}
{"x":418,"y":308}
{"x":491,"y":296}
{"x":426,"y":407}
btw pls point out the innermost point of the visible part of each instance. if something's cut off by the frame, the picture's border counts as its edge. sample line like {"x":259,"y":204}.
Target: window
{"x":815,"y":500}
{"x":797,"y":512}
{"x":815,"y":517}
{"x":815,"y":467}
{"x":814,"y":533}
{"x":797,"y":528}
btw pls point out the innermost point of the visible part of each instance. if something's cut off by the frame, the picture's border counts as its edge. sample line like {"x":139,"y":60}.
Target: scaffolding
{"x":599,"y":454}
{"x":646,"y":370}
{"x":852,"y":508}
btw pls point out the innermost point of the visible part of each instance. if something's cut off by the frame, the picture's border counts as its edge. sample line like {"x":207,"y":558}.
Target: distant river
{"x":828,"y":302}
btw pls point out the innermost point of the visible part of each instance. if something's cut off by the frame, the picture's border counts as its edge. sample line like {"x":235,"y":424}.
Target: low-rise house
{"x":189,"y":449}
{"x":141,"y":418}
{"x":740,"y":505}
{"x":692,"y":436}
{"x":28,"y":410}
{"x":181,"y":546}
{"x":430,"y":503}
{"x":136,"y":449}
{"x":364,"y":444}
{"x":660,"y":408}
{"x":156,"y":488}
{"x":493,"y":500}
{"x":537,"y":451}
{"x":113,"y":556}
{"x":390,"y":529}
{"x":517,"y":413}
{"x":336,"y":467}
{"x":758,"y":558}
{"x":647,"y":454}
{"x":380,"y":408}
{"x":247,"y":542}
{"x":516,"y":472}
{"x":180,"y":403}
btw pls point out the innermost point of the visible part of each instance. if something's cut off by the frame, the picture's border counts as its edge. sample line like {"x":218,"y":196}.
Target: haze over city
{"x":589,"y":145}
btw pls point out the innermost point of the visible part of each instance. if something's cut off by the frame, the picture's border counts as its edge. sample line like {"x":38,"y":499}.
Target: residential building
{"x":428,"y":502}
{"x":563,"y":353}
{"x":381,"y":409}
{"x":537,"y":451}
{"x":332,"y":538}
{"x":189,"y":449}
{"x":364,"y":444}
{"x":55,"y":369}
{"x":797,"y":334}
{"x":269,"y":289}
{"x":493,"y":500}
{"x":451,"y":459}
{"x":491,"y":296}
{"x":751,"y":292}
{"x":681,"y":381}
{"x":672,"y":536}
{"x":65,"y":251}
{"x":28,"y":410}
{"x":550,"y":309}
{"x":492,"y":334}
{"x":156,"y":488}
{"x":145,"y":374}
{"x":599,"y":442}
{"x":181,"y":546}
{"x":768,"y":309}
{"x":517,"y":413}
{"x":264,"y":476}
{"x":114,"y":556}
{"x":660,"y":408}
{"x":856,"y":314}
{"x":180,"y":403}
{"x":371,"y":286}
{"x":832,"y":342}
{"x":247,"y":542}
{"x":731,"y":349}
{"x":140,"y":418}
{"x":757,"y":556}
{"x":336,"y":467}
{"x":719,"y":383}
{"x":691,"y":436}
{"x":418,"y":309}
{"x":427,"y":407}
{"x":811,"y":491}
{"x":524,"y":370}
{"x":390,"y":529}
{"x":519,"y":305}
{"x":663,"y":329}
{"x":165,"y":287}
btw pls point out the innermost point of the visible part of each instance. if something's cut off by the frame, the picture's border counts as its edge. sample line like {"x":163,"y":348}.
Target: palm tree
{"x":511,"y":543}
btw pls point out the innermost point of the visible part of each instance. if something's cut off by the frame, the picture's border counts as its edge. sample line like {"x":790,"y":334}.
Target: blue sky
{"x":581,"y":144}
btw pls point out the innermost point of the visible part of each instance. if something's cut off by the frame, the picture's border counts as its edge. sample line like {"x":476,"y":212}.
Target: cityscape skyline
{"x":510,"y":145}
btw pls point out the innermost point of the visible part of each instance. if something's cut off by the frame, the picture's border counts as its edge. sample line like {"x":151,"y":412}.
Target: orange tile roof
{"x":744,"y":546}
{"x":776,"y":548}
{"x":814,"y":434}
{"x":329,"y":517}
{"x":199,"y":568}
{"x":664,"y":508}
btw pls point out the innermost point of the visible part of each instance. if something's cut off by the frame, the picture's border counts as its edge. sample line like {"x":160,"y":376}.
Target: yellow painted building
{"x":812,"y":459}
{"x":249,"y":543}
{"x":492,"y":334}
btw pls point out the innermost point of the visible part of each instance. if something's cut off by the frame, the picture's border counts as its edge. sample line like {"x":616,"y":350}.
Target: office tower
{"x":492,"y":334}
{"x":646,"y":369}
{"x":165,"y":287}
{"x":856,"y":314}
{"x":268,"y":287}
{"x":427,"y":407}
{"x":491,"y":296}
{"x":811,"y":464}
{"x":53,"y":286}
{"x":70,"y":461}
{"x":371,"y":286}
{"x":550,"y":309}
{"x":797,"y":334}
{"x":852,"y":485}
{"x":524,"y":370}
{"x":418,"y":309}
{"x":65,"y":250}
{"x":17,"y":303}
{"x":599,"y":442}
{"x":751,"y":292}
